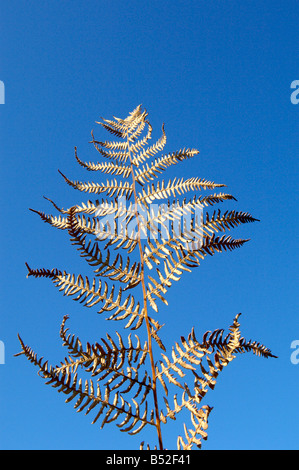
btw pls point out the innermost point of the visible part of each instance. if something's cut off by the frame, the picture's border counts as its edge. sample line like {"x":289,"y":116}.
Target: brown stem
{"x":154,"y":378}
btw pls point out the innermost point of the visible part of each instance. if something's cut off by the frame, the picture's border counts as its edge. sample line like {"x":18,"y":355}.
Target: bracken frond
{"x":112,"y":168}
{"x":150,"y":151}
{"x":200,"y":422}
{"x":228,"y":220}
{"x":161,"y":239}
{"x":173,"y":188}
{"x":106,"y":362}
{"x":147,"y":173}
{"x":112,"y":188}
{"x":120,"y":155}
{"x":57,"y":222}
{"x":190,"y":354}
{"x":91,"y":293}
{"x":88,"y":397}
{"x":98,"y":357}
{"x":115,"y":270}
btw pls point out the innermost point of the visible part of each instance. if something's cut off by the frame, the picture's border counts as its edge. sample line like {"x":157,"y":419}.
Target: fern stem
{"x":154,"y":378}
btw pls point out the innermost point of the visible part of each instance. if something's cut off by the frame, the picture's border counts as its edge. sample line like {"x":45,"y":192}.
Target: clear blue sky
{"x":218,"y":74}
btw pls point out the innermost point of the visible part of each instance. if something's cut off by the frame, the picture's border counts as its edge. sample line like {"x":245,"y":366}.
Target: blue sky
{"x":218,"y":74}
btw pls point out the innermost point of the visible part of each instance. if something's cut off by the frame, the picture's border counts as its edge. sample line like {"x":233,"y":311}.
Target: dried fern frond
{"x":106,"y":361}
{"x":151,"y":150}
{"x":223,"y":349}
{"x":147,"y":173}
{"x":200,"y":423}
{"x":112,"y":168}
{"x":91,"y":293}
{"x":173,"y":188}
{"x":138,"y":237}
{"x":98,"y":357}
{"x":189,"y":356}
{"x":89,"y":397}
{"x":115,"y":270}
{"x":226,"y":221}
{"x":112,"y":188}
{"x":213,"y":348}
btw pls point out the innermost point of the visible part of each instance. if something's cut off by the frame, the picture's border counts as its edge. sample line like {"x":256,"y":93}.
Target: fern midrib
{"x":154,"y":379}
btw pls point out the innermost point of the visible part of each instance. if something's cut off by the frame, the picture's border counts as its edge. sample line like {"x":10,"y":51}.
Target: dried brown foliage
{"x":138,"y":250}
